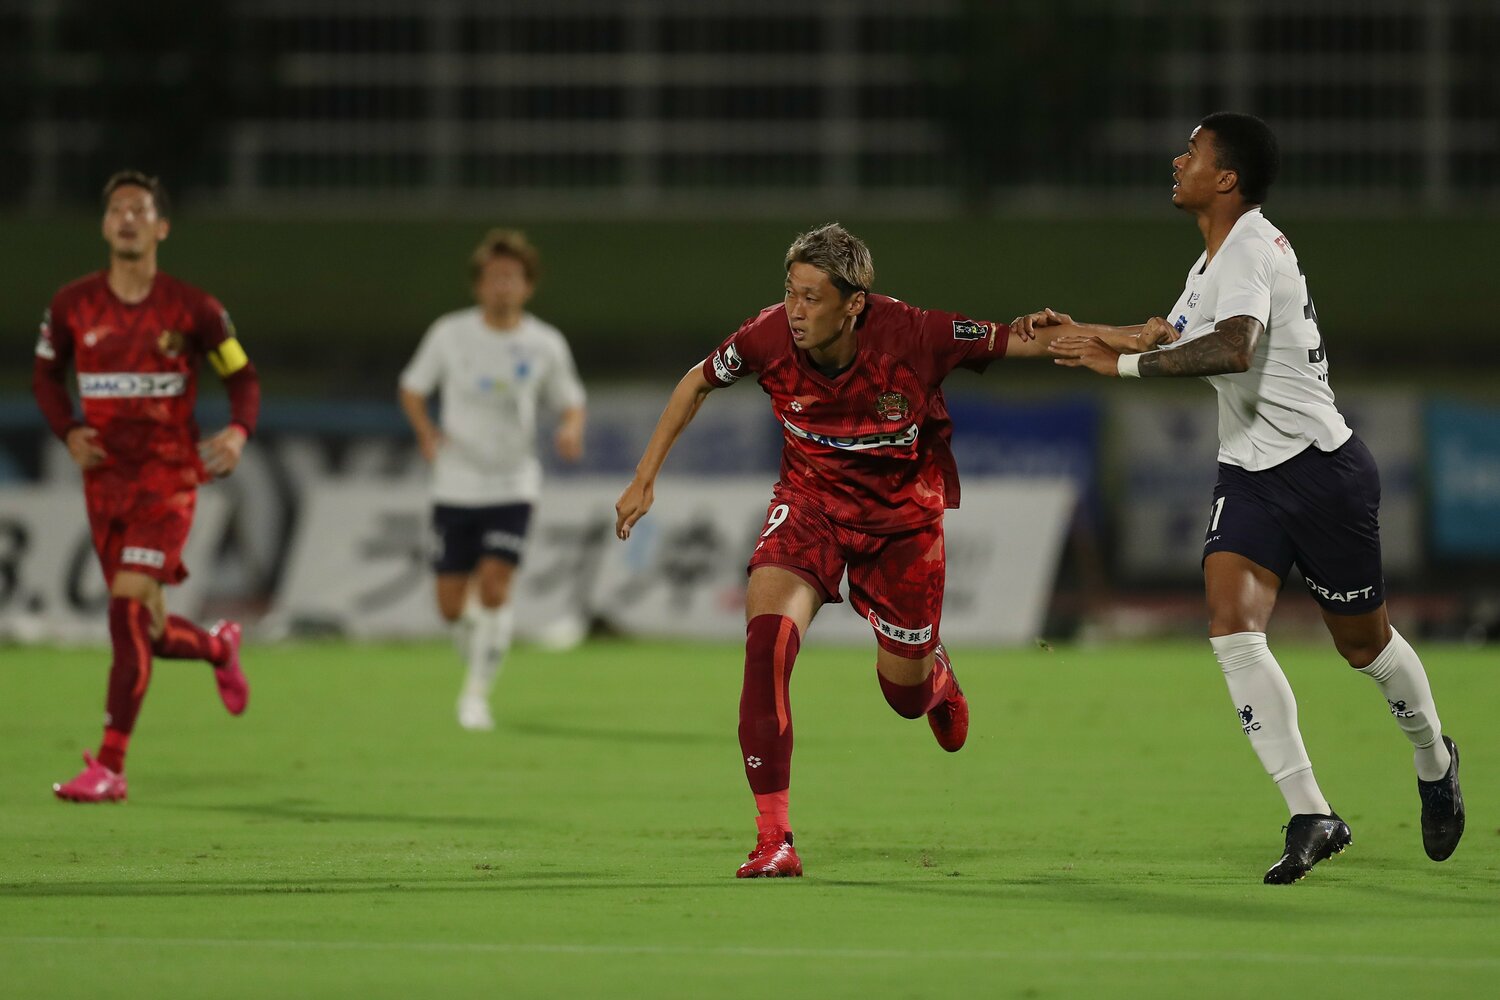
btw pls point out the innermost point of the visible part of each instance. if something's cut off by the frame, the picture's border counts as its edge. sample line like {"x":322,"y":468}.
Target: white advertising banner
{"x":51,"y":587}
{"x":359,"y":561}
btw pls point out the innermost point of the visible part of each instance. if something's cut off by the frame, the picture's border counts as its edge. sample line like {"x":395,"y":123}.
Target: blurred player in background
{"x":866,"y":472}
{"x":495,"y":366}
{"x":1296,"y":485}
{"x":135,"y":336}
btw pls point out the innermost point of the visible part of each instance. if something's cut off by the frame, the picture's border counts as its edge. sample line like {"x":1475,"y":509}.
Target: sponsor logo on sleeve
{"x":968,"y":329}
{"x":732,"y":357}
{"x":722,"y":370}
{"x":44,"y":348}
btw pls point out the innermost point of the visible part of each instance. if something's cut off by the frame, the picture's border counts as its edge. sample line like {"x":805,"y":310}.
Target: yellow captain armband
{"x":228,"y":358}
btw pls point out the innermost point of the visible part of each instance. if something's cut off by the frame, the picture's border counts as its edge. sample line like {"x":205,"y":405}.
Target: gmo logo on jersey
{"x":862,"y":442}
{"x":131,"y":385}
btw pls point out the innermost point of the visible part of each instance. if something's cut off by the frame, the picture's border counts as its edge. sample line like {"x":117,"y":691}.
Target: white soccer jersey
{"x":492,"y":384}
{"x":1283,"y":403}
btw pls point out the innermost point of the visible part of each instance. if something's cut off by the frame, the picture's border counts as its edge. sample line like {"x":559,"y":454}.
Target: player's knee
{"x":1359,"y":654}
{"x":450,"y":603}
{"x":493,"y":593}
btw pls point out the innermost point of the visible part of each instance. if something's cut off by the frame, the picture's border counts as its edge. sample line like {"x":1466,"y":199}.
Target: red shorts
{"x":140,"y":519}
{"x":895,"y":581}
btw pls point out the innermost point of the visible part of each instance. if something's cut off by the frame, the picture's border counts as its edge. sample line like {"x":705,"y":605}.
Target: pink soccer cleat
{"x":95,"y":783}
{"x":773,"y":857}
{"x":234,"y":689}
{"x":950,"y":719}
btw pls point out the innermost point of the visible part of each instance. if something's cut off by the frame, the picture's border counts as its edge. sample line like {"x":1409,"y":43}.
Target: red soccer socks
{"x":129,"y":674}
{"x":183,"y":640}
{"x":771,"y":644}
{"x":938,"y":697}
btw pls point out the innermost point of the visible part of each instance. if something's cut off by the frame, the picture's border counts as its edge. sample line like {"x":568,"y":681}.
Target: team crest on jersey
{"x":892,"y":405}
{"x":171,"y":343}
{"x":1193,"y":300}
{"x":968,"y":329}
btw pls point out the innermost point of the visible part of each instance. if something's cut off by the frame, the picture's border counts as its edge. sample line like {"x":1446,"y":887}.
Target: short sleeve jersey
{"x":869,"y":447}
{"x":136,"y":363}
{"x":492,"y":385}
{"x":1283,"y":402}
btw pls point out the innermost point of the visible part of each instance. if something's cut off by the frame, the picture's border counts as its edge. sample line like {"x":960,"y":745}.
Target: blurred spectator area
{"x":585,"y":108}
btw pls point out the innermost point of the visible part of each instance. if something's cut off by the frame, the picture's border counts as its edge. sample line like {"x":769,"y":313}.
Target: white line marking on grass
{"x":735,"y":951}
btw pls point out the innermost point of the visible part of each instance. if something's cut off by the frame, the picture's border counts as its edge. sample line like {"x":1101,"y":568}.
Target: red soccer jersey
{"x":137,"y":364}
{"x":871,"y":446}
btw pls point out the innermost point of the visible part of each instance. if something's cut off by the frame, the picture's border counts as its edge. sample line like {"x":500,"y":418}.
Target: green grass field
{"x":1103,"y":833}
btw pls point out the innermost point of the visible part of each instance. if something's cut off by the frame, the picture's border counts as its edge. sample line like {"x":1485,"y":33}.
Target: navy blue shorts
{"x":1318,"y":510}
{"x":464,"y":535}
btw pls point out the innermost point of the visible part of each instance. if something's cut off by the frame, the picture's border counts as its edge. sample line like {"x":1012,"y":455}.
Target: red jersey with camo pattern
{"x":137,"y":364}
{"x":869,"y":447}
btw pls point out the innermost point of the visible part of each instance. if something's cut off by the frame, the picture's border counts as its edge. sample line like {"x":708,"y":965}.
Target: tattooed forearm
{"x":1228,"y":348}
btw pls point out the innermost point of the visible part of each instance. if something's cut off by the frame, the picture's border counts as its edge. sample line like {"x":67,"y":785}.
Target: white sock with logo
{"x":1268,"y":715}
{"x":490,"y":641}
{"x":1399,"y":673}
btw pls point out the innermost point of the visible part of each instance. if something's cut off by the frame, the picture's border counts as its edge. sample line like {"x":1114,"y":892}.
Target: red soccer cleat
{"x":95,"y":783}
{"x":950,"y":719}
{"x":773,"y":857}
{"x":234,"y":689}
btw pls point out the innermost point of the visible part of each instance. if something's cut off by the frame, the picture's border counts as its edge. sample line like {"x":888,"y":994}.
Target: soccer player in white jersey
{"x":495,"y":366}
{"x":1296,"y":485}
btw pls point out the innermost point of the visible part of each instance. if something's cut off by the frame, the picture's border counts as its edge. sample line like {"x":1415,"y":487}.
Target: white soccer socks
{"x":488,"y":644}
{"x":1399,"y":673}
{"x":1268,"y":715}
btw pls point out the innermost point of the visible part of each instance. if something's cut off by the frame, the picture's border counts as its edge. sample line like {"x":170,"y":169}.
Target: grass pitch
{"x":1104,"y":832}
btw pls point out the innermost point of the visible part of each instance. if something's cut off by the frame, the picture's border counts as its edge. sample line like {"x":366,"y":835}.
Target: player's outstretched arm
{"x":681,"y":408}
{"x":1032,"y":335}
{"x":1227,"y":349}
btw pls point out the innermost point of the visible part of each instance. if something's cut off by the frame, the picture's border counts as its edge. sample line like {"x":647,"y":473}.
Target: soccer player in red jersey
{"x":866,"y":472}
{"x":134,"y":336}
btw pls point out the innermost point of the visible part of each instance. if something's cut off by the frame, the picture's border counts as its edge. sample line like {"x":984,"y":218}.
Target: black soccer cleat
{"x":1442,"y":810}
{"x":1309,"y":839}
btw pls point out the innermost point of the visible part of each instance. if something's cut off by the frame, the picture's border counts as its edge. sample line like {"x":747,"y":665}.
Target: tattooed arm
{"x":1230,"y":347}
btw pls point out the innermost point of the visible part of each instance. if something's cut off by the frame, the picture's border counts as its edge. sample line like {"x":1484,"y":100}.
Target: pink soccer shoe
{"x":95,"y":783}
{"x":234,"y":689}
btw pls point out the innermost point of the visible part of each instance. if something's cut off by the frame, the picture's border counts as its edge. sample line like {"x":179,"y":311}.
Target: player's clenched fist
{"x":221,"y":453}
{"x":83,"y":445}
{"x":1156,"y":332}
{"x":632,"y":506}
